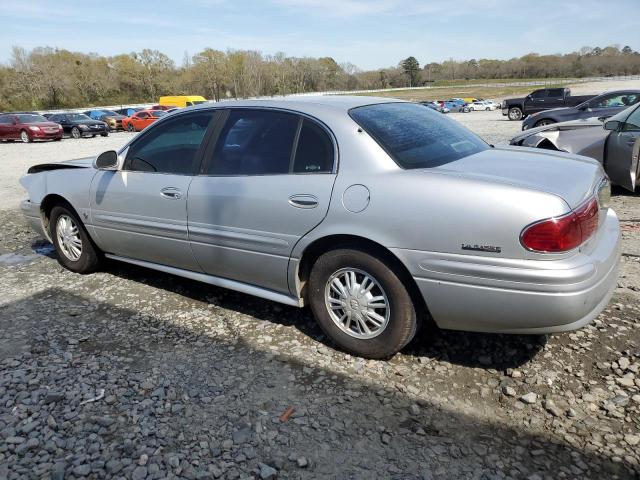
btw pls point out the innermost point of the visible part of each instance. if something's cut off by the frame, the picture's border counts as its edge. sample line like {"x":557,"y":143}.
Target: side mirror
{"x":107,"y":161}
{"x":612,"y":125}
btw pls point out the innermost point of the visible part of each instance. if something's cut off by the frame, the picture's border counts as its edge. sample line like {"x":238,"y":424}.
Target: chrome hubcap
{"x":24,"y":136}
{"x":69,"y":237}
{"x":75,"y":133}
{"x":357,"y":303}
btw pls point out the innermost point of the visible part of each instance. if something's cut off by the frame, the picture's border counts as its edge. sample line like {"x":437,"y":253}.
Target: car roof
{"x":303,"y":103}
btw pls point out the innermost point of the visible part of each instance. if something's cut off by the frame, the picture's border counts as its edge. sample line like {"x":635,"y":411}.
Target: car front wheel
{"x":24,"y":137}
{"x":361,"y":303}
{"x":75,"y":132}
{"x":131,"y":128}
{"x":75,"y":249}
{"x":515,"y":113}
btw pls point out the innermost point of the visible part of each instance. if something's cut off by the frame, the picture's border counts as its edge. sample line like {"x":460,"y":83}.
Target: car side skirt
{"x":217,"y":281}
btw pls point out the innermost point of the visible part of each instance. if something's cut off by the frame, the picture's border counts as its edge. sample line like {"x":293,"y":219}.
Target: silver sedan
{"x":378,"y":214}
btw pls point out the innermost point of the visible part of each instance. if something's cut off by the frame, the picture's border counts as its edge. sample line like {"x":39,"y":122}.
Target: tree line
{"x":48,"y":78}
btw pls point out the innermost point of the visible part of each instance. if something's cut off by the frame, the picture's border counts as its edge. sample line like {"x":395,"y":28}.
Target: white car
{"x":483,"y":105}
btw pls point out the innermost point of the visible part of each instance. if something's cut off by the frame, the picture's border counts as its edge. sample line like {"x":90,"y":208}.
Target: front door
{"x":265,"y":184}
{"x":140,"y":210}
{"x":621,"y":152}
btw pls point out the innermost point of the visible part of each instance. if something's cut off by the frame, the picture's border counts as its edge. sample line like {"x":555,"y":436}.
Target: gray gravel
{"x":129,"y":373}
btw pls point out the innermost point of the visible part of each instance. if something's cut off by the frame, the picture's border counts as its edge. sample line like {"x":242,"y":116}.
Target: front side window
{"x":539,"y":94}
{"x":616,"y":100}
{"x":254,"y":142}
{"x":416,"y":137}
{"x":171,"y":146}
{"x":143,"y":115}
{"x":632,"y":124}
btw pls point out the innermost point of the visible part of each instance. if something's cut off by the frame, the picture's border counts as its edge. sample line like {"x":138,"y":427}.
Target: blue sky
{"x":368,"y":33}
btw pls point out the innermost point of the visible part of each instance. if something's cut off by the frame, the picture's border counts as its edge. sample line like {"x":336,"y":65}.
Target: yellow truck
{"x":182,"y":101}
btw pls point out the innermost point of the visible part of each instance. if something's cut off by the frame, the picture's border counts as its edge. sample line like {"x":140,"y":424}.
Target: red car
{"x":28,"y":127}
{"x":141,"y":120}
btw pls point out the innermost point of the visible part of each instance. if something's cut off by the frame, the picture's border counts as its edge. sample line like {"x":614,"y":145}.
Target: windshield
{"x":158,"y":113}
{"x":110,"y":112}
{"x":416,"y":137}
{"x":77,"y":117}
{"x":30,"y":118}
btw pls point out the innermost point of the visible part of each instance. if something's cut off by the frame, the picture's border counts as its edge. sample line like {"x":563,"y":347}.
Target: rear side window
{"x":6,"y":119}
{"x":171,"y":146}
{"x":555,"y":92}
{"x":254,"y":142}
{"x":314,"y":152}
{"x":416,"y":137}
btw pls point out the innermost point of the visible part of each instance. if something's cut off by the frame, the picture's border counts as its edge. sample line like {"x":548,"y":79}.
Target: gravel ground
{"x":129,"y":373}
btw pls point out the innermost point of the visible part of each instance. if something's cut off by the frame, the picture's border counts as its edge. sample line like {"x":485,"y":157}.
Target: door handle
{"x":303,"y":201}
{"x":171,"y":193}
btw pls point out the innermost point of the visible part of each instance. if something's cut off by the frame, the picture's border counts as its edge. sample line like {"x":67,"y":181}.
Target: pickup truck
{"x":539,"y":100}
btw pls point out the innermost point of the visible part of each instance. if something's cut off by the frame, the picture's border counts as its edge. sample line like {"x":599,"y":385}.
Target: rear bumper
{"x":487,"y":294}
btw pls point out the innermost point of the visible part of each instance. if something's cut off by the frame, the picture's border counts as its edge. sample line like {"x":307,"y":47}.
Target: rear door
{"x":140,"y":210}
{"x":621,"y":152}
{"x":554,"y":98}
{"x":265,"y":183}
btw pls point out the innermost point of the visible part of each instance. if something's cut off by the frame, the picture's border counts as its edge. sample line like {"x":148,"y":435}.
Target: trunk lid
{"x":572,"y":178}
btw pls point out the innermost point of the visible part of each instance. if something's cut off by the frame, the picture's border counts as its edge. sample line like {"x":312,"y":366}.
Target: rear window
{"x":416,"y":137}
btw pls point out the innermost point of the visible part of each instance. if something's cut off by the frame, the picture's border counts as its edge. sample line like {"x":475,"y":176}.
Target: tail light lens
{"x":561,"y":234}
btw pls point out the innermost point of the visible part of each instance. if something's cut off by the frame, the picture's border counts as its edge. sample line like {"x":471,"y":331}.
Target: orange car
{"x":141,"y":120}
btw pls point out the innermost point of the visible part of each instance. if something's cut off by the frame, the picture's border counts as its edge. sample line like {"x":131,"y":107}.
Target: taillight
{"x":561,"y":234}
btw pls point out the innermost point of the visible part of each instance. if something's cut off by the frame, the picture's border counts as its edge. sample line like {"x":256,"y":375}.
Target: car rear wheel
{"x":515,"y":113}
{"x":361,"y":303}
{"x":487,"y":109}
{"x":75,"y":132}
{"x":542,"y":123}
{"x":105,"y":134}
{"x":76,"y":251}
{"x":24,"y":137}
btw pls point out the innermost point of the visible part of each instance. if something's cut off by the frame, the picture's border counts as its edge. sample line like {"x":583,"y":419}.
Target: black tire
{"x":543,"y":122}
{"x":131,"y":128}
{"x":90,"y":257}
{"x":105,"y":134}
{"x":402,"y":319}
{"x":76,"y":133}
{"x":515,"y":113}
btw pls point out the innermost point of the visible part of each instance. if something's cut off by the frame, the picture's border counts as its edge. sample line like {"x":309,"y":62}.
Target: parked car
{"x":436,"y":106}
{"x":127,"y":112}
{"x":113,"y":119}
{"x":614,"y":143}
{"x":605,"y":105}
{"x":78,"y":125}
{"x":539,"y":100}
{"x":182,"y":101}
{"x":28,"y":127}
{"x":485,"y":105}
{"x":418,"y":215}
{"x":141,"y":120}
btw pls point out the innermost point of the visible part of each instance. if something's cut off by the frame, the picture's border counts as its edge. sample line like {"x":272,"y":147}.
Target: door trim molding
{"x":217,"y":281}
